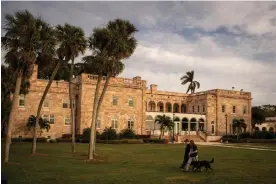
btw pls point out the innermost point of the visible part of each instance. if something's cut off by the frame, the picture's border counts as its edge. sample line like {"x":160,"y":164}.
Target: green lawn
{"x":138,"y":164}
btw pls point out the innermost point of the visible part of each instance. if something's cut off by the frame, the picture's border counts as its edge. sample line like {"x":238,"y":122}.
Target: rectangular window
{"x":65,"y":104}
{"x":67,"y":120}
{"x":193,"y":108}
{"x":244,"y":109}
{"x":46,"y":103}
{"x":234,"y":109}
{"x":46,"y":117}
{"x":197,"y":108}
{"x":223,"y":108}
{"x":203,"y":108}
{"x":130,"y":101}
{"x":114,"y":123}
{"x":115,"y":100}
{"x":21,"y":100}
{"x":98,"y":124}
{"x":130,"y":124}
{"x":52,"y":119}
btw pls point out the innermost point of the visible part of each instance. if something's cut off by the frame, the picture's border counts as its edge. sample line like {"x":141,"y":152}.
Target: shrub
{"x":127,"y":134}
{"x":260,"y":140}
{"x":160,"y":141}
{"x":64,"y":140}
{"x":40,"y":139}
{"x":245,"y":135}
{"x":66,"y":136}
{"x":263,"y":135}
{"x":109,"y":134}
{"x":123,"y":141}
{"x":142,"y":136}
{"x":53,"y":141}
{"x":85,"y":137}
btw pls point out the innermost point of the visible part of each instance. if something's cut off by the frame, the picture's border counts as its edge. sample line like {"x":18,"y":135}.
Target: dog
{"x":204,"y":163}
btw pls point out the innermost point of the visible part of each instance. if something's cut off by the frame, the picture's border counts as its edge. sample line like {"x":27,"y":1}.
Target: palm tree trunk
{"x":93,"y":123}
{"x":161,"y":128}
{"x":40,"y":106}
{"x":12,"y":115}
{"x":72,"y":107}
{"x":98,"y":110}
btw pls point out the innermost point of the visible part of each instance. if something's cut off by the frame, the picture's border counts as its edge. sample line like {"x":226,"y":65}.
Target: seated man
{"x":190,"y":155}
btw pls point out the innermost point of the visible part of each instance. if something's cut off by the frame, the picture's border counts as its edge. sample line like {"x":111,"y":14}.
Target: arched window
{"x":193,"y":124}
{"x":185,"y":122}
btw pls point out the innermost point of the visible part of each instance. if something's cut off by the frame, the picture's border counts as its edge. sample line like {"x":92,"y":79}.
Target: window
{"x":223,"y":108}
{"x":21,"y":100}
{"x":114,"y":123}
{"x":65,"y":104}
{"x":244,"y":109}
{"x":203,"y":108}
{"x":46,"y":117}
{"x":67,"y":120}
{"x":46,"y":103}
{"x":234,"y":109}
{"x":115,"y":100}
{"x":130,"y":101}
{"x":197,"y":108}
{"x":52,"y":119}
{"x":212,"y":127}
{"x":193,"y":108}
{"x":130,"y":124}
{"x":98,"y":123}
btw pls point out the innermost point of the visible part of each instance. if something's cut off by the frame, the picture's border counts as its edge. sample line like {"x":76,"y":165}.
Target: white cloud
{"x":228,"y":44}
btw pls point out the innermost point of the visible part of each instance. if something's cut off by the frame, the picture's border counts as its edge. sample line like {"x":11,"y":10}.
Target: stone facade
{"x":128,"y":103}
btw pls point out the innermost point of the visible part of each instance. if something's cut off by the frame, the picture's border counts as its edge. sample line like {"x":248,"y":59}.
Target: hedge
{"x":123,"y":141}
{"x":160,"y":141}
{"x":249,"y":140}
{"x":40,"y":139}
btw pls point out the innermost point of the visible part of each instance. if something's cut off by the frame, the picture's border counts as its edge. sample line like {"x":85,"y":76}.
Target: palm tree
{"x":238,"y":124}
{"x":22,"y":41}
{"x":72,"y":43}
{"x":189,"y":78}
{"x":113,"y":43}
{"x":165,"y":122}
{"x":43,"y":124}
{"x":46,"y":59}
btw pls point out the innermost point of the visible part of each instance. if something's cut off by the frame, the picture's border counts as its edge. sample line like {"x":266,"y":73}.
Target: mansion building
{"x":128,"y":103}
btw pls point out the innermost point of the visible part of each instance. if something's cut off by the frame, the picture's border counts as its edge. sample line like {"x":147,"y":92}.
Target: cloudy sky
{"x":226,"y":43}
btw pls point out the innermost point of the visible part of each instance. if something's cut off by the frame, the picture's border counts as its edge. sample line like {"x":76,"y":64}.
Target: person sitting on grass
{"x":189,"y":155}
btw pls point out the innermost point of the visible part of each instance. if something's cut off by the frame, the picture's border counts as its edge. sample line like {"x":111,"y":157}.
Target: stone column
{"x":197,"y":126}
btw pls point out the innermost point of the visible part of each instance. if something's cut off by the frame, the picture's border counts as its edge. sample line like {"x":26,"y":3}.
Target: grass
{"x":135,"y":163}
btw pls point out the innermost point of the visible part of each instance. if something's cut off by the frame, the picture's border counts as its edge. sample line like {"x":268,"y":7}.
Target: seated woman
{"x":189,"y":156}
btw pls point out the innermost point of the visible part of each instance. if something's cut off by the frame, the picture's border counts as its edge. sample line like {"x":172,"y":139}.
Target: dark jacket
{"x":187,"y":151}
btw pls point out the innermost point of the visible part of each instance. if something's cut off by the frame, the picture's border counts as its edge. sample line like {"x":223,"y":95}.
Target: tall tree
{"x":114,"y":43}
{"x":72,"y":43}
{"x":189,"y":78}
{"x":258,"y":116}
{"x":45,"y":59}
{"x":22,"y":41}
